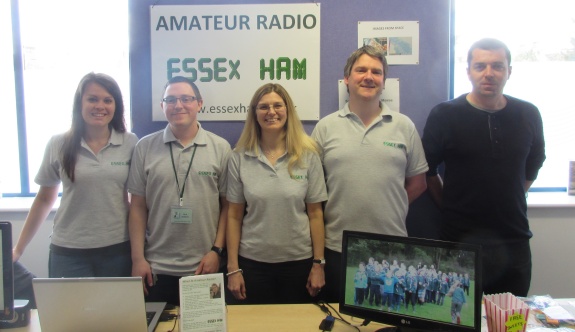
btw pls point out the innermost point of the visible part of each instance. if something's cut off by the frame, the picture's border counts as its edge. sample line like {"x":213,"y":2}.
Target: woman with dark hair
{"x":275,"y":250}
{"x":91,"y":161}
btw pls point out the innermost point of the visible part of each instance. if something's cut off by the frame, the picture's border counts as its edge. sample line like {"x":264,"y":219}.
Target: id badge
{"x":181,"y":215}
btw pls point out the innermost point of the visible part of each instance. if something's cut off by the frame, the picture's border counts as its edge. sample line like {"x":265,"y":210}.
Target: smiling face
{"x":181,"y":115}
{"x":366,"y":79}
{"x":98,"y":106}
{"x":271,"y":112}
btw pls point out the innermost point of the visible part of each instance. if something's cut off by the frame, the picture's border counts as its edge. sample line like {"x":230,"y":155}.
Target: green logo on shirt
{"x":207,"y":173}
{"x":299,"y":177}
{"x":395,"y":145}
{"x":120,"y":163}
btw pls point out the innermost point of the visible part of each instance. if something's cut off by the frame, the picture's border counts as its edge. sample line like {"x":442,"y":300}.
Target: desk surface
{"x":255,"y":318}
{"x":278,"y":317}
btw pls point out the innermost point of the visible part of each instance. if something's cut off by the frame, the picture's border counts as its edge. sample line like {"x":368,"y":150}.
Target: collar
{"x":345,"y":112}
{"x":200,"y":139}
{"x":116,"y":138}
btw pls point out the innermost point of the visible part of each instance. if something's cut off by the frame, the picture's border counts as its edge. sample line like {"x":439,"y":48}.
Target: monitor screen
{"x":6,"y":278}
{"x":411,"y":283}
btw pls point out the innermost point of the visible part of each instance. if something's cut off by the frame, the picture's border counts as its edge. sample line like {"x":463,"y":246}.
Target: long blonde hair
{"x":297,"y":140}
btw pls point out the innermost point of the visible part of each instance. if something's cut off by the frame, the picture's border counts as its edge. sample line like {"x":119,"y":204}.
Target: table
{"x":275,"y":317}
{"x":255,"y":318}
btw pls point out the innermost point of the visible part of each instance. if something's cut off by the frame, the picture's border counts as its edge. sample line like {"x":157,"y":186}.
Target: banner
{"x":229,"y":51}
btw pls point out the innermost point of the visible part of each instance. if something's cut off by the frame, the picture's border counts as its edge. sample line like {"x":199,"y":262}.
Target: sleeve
{"x":223,"y":179}
{"x":432,"y":142}
{"x":49,"y":172}
{"x":416,"y":162}
{"x":235,"y":187}
{"x":536,"y":155}
{"x":137,"y":176}
{"x":316,"y":191}
{"x":318,"y":137}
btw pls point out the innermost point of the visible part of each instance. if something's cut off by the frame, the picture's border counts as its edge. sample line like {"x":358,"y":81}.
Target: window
{"x":60,"y":42}
{"x":9,"y":171}
{"x":541,"y":37}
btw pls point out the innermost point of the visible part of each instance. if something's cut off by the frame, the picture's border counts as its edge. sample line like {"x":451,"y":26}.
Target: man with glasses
{"x":373,"y":160}
{"x":492,"y":147}
{"x":178,"y":209}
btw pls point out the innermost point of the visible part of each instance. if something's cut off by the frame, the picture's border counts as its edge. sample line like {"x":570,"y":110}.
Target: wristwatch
{"x":319,"y":261}
{"x":219,"y":251}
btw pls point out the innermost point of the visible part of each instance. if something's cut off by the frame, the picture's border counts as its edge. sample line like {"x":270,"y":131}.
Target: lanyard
{"x":181,"y":192}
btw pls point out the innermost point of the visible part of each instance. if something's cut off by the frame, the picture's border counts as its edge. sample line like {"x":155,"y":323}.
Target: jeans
{"x":101,"y":262}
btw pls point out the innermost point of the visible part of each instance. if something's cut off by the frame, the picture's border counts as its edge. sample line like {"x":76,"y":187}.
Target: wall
{"x":422,"y":86}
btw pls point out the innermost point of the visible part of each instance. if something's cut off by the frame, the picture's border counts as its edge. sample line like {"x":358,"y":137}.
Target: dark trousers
{"x":359,"y":296}
{"x":332,"y":269}
{"x":23,"y":289}
{"x":166,"y":289}
{"x":374,"y":294}
{"x":269,"y":283}
{"x":507,"y":268}
{"x":410,"y":297}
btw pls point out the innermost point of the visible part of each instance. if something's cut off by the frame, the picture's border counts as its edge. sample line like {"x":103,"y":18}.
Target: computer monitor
{"x":7,"y":276}
{"x":423,"y":306}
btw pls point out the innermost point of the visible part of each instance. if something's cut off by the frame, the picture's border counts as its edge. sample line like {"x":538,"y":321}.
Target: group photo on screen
{"x":420,"y":281}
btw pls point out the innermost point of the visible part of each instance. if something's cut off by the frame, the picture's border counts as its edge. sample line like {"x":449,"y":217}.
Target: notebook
{"x":94,"y":304}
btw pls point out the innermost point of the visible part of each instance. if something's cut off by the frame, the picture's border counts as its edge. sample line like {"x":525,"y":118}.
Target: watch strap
{"x":218,"y":250}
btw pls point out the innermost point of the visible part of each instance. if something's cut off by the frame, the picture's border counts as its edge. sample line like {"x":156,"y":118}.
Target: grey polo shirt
{"x":177,"y":248}
{"x":365,"y":171}
{"x":93,"y":211}
{"x":276,"y":227}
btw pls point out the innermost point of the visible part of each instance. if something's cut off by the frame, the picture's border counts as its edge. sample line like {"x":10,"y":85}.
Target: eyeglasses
{"x":171,"y":100}
{"x":267,"y":107}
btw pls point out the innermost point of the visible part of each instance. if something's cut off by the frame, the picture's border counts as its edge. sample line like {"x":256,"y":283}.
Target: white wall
{"x":552,"y":248}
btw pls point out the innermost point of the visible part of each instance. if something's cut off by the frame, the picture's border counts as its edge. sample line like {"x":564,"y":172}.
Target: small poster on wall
{"x":399,"y":39}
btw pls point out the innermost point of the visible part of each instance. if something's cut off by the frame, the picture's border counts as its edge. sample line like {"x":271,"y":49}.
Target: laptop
{"x":94,"y":304}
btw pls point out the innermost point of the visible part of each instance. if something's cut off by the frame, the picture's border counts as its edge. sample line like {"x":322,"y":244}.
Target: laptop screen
{"x":92,"y":304}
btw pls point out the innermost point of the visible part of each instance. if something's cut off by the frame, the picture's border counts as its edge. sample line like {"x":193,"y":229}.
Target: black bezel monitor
{"x":399,"y":261}
{"x":7,"y":290}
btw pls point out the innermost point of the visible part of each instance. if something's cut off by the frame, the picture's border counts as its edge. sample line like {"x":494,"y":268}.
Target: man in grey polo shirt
{"x":178,"y":185}
{"x":373,"y":159}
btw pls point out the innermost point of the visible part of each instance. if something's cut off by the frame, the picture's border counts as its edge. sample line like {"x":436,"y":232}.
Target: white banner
{"x":229,"y":51}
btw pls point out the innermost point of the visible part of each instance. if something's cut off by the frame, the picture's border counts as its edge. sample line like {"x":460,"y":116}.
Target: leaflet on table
{"x":202,"y":304}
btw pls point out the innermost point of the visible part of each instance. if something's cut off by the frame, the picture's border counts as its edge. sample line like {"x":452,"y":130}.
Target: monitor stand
{"x":21,"y":316}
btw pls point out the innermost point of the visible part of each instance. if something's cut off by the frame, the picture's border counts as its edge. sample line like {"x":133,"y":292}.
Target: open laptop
{"x":94,"y":304}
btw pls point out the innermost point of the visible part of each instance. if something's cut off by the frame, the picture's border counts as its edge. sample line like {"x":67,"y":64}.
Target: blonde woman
{"x":275,"y":230}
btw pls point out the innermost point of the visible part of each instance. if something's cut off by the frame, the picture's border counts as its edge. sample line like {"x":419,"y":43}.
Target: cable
{"x":325,"y":307}
{"x":175,"y":321}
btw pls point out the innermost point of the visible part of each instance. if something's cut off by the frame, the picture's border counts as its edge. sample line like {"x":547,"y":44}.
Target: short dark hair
{"x":182,"y":79}
{"x":372,"y":51}
{"x":488,"y":44}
